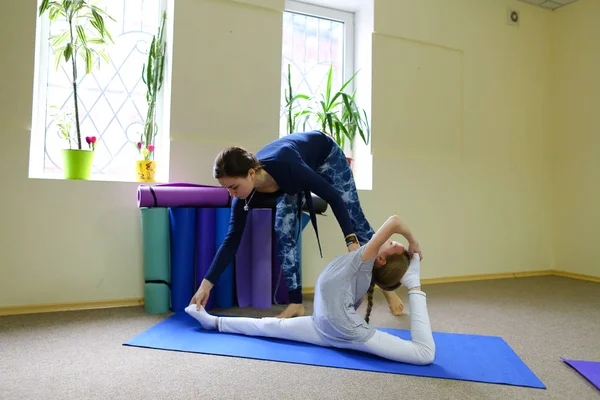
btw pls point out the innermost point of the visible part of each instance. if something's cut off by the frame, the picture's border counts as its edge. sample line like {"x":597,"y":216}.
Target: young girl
{"x":338,"y":294}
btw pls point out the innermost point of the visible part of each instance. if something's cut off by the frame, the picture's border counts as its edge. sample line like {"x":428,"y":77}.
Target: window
{"x":314,"y":38}
{"x":112,"y":98}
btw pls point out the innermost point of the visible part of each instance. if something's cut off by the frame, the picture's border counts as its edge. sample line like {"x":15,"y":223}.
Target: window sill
{"x":96,"y":178}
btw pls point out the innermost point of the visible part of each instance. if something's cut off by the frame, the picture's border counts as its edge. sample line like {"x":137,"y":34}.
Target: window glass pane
{"x":310,"y":46}
{"x":112,"y":99}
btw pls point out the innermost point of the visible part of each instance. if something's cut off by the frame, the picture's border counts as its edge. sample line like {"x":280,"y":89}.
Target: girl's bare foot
{"x":395,"y":303}
{"x":292,"y":310}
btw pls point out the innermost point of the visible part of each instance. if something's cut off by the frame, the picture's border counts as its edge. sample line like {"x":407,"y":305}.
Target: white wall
{"x":74,"y":241}
{"x":477,"y":197}
{"x":575,"y":92}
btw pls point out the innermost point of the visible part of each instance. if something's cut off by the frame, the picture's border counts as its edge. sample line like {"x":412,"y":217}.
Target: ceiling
{"x":356,"y":5}
{"x":549,"y":4}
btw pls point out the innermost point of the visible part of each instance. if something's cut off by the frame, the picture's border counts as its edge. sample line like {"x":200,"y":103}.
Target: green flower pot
{"x":77,"y":164}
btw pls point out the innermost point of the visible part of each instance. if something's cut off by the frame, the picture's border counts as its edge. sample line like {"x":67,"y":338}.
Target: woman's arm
{"x":226,"y":252}
{"x":230,"y":244}
{"x":391,"y":226}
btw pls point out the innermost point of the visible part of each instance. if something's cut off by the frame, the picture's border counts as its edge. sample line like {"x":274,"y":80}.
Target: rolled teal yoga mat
{"x":156,"y":259}
{"x":223,"y":290}
{"x":157,"y":298}
{"x":183,"y":245}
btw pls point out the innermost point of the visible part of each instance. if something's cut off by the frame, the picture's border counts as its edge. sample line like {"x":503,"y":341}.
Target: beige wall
{"x":576,"y":133}
{"x":460,"y":151}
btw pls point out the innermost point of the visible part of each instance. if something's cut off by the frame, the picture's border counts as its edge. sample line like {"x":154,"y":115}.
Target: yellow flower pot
{"x":145,"y":170}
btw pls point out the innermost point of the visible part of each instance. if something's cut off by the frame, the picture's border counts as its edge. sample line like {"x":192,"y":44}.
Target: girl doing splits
{"x":338,"y":294}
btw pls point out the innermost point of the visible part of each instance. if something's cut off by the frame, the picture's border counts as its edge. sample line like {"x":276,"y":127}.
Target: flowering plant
{"x":91,"y":141}
{"x":145,"y":151}
{"x":153,"y":75}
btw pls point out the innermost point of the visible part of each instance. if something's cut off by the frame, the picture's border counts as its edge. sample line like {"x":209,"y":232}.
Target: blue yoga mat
{"x":223,"y":290}
{"x":183,"y":241}
{"x":475,"y":358}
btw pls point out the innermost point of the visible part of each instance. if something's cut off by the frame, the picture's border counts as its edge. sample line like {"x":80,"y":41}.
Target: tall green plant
{"x":337,"y":113}
{"x":290,"y":100}
{"x":84,"y":31}
{"x":153,"y":76}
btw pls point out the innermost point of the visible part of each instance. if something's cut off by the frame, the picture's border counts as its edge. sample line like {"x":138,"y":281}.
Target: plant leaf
{"x":329,"y":79}
{"x":101,"y":12}
{"x":144,"y":73}
{"x":44,"y":6}
{"x":348,"y":82}
{"x":68,"y":52}
{"x":96,"y":41}
{"x":102,"y":54}
{"x":300,"y":96}
{"x":81,"y":35}
{"x":57,"y":40}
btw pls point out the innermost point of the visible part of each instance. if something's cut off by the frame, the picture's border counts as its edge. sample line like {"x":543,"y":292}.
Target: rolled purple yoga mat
{"x":243,"y":266}
{"x":277,"y":278}
{"x":262,"y":252}
{"x":205,"y":247}
{"x":182,"y":195}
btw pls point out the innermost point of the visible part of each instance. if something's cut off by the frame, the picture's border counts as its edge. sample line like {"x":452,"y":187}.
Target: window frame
{"x":43,"y":60}
{"x":333,"y":14}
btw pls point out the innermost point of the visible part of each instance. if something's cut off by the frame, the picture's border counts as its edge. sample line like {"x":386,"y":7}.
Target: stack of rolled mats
{"x":183,"y":226}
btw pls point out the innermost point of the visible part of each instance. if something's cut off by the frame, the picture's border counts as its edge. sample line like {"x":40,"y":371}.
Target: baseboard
{"x":88,"y":305}
{"x":580,"y":277}
{"x":44,"y":308}
{"x":308,"y":290}
{"x":485,"y":277}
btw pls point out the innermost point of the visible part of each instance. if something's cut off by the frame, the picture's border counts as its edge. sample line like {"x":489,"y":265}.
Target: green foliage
{"x":290,"y":99}
{"x":336,"y":112}
{"x":82,"y":38}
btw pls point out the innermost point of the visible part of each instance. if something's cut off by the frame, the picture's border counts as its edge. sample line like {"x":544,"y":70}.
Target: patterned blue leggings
{"x":335,"y":170}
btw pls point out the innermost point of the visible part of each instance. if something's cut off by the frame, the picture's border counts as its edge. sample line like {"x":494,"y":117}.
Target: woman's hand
{"x":415,"y":247}
{"x":201,"y":296}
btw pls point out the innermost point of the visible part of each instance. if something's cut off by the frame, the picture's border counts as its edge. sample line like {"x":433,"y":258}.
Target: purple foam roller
{"x":262,"y":226}
{"x":182,"y":195}
{"x":205,"y":247}
{"x":243,"y":266}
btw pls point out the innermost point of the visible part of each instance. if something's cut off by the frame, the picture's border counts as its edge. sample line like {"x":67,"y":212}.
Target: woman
{"x":338,"y":293}
{"x":289,"y":168}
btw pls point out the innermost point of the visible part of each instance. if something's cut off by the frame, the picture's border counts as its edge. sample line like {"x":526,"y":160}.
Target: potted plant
{"x":78,"y":40}
{"x":152,"y":75}
{"x":337,"y":113}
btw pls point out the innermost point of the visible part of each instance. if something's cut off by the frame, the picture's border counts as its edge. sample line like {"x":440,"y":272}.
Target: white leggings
{"x":420,"y":350}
